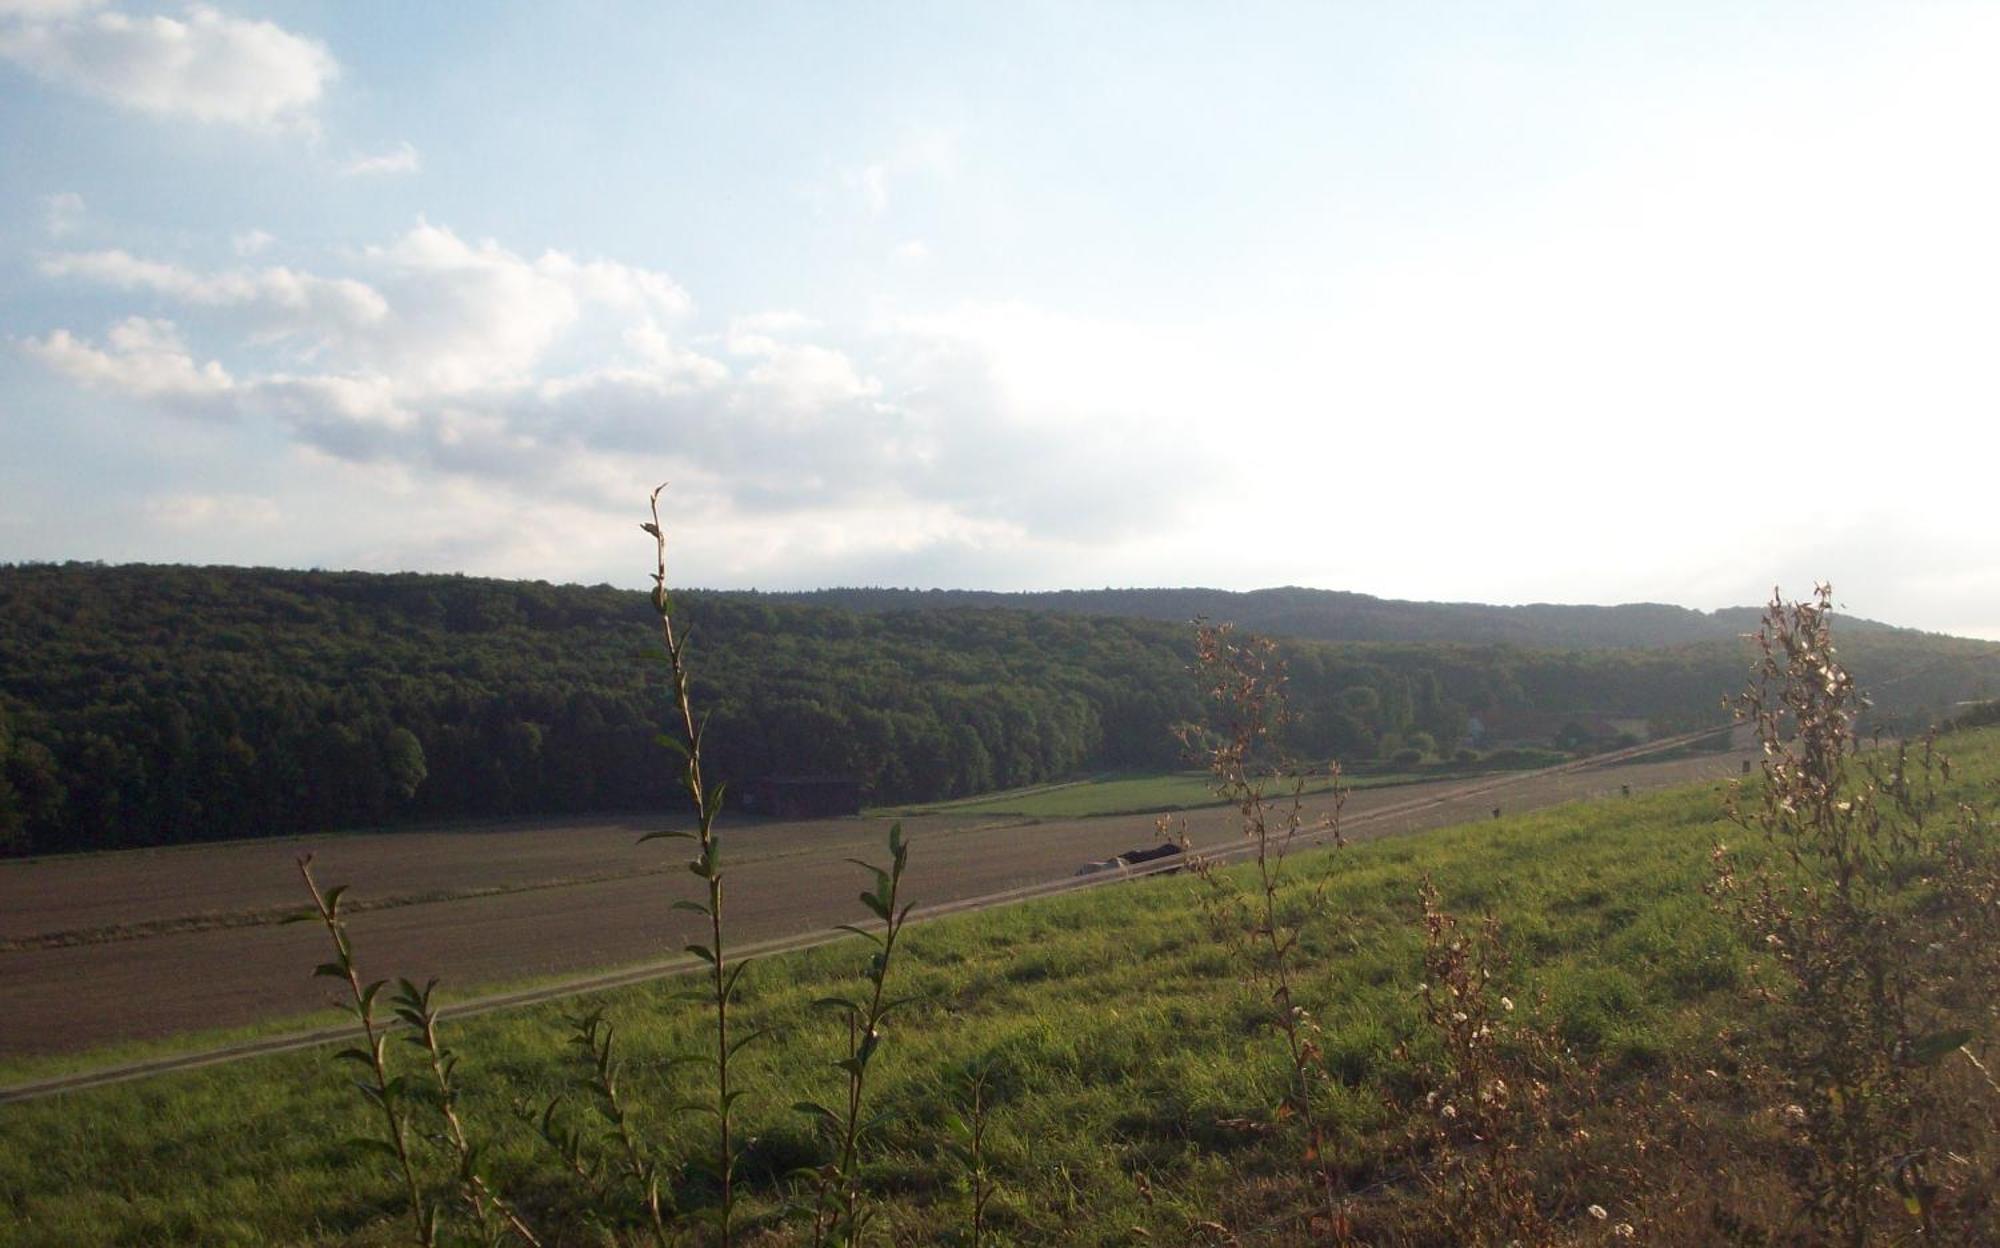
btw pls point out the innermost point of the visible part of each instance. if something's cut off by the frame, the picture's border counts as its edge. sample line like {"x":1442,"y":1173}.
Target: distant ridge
{"x":1339,"y":615}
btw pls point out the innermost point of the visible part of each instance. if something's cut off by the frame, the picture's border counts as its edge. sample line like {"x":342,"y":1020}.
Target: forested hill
{"x":147,"y":705}
{"x":1334,"y":615}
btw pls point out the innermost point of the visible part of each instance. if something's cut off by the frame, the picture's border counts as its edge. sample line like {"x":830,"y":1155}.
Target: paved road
{"x":788,"y":883}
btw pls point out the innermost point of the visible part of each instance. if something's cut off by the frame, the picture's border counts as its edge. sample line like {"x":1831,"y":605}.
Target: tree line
{"x":144,"y":705}
{"x":1340,"y":615}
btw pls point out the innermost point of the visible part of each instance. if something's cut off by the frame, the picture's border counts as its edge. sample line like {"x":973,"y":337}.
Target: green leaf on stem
{"x":735,"y":973}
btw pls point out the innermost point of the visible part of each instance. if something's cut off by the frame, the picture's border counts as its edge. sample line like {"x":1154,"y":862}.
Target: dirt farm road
{"x":100,"y":949}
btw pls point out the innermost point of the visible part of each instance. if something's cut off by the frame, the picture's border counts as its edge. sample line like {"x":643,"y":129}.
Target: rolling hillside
{"x":149,"y":705}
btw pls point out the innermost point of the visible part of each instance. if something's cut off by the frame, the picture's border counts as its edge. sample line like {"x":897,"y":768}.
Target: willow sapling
{"x":597,"y":1040}
{"x":723,"y":975}
{"x":385,"y":1091}
{"x":495,"y":1217}
{"x":838,"y":1216}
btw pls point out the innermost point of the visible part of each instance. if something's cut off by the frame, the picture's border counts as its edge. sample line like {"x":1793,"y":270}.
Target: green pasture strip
{"x":1121,"y":1043}
{"x":1123,"y":795}
{"x":1158,"y":792}
{"x":27,"y":1068}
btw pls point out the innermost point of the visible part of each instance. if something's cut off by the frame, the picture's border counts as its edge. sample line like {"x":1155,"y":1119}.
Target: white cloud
{"x":619,"y":287}
{"x":658,"y":355}
{"x":804,"y":377}
{"x":62,"y":213}
{"x":145,"y":359}
{"x":552,"y":377}
{"x":47,"y":10}
{"x":471,"y":315}
{"x":430,"y":309}
{"x":402,"y":158}
{"x":969,"y":444}
{"x":251,"y":242}
{"x":913,"y":251}
{"x":296,"y":300}
{"x":207,"y":66}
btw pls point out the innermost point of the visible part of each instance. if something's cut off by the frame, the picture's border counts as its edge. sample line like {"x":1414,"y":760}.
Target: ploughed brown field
{"x":102,"y":948}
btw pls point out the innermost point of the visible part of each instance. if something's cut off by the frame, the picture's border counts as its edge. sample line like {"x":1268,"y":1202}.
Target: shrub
{"x":1867,"y":907}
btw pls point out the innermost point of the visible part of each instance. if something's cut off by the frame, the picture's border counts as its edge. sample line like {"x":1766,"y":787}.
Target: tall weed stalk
{"x":1491,"y":1112}
{"x":706,"y":866}
{"x":1243,"y":749}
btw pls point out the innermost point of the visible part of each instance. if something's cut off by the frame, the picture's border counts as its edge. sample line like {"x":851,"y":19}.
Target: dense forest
{"x":1338,"y":615}
{"x":148,"y":705}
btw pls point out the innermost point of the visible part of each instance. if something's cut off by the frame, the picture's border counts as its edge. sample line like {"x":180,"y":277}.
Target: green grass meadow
{"x":1127,"y":1058}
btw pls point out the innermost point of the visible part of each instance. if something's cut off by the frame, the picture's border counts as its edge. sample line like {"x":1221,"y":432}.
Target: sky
{"x":1474,"y":302}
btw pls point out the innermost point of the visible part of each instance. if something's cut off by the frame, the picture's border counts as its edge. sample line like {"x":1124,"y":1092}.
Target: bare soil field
{"x":103,"y":948}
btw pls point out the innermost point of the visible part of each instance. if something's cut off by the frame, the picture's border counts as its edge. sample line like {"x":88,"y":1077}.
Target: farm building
{"x":802,"y":797}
